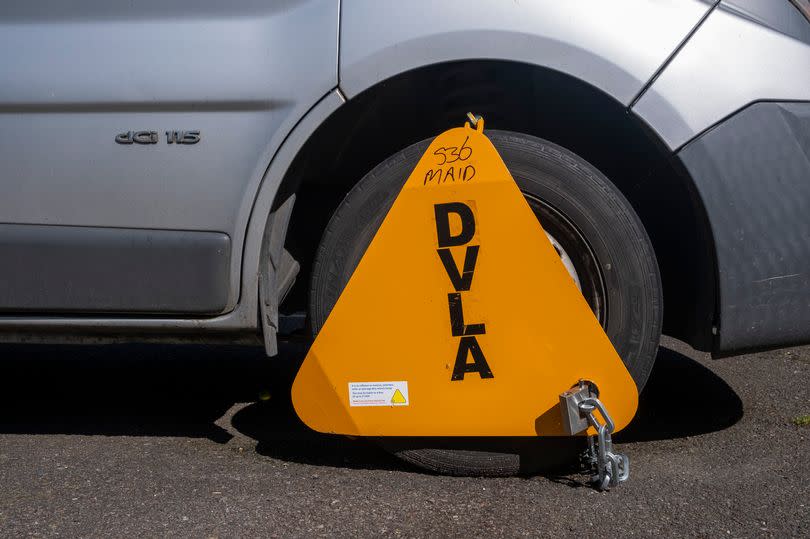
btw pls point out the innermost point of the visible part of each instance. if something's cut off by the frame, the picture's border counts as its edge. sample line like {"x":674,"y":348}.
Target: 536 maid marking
{"x":451,"y":166}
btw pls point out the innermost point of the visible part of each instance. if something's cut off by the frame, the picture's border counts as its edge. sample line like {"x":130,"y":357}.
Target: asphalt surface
{"x":154,"y":440}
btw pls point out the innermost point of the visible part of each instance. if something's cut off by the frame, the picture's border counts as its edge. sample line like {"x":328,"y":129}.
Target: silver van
{"x":207,"y":170}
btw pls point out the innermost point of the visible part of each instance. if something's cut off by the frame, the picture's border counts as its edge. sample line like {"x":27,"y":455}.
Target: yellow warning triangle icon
{"x":398,"y":398}
{"x":482,"y":320}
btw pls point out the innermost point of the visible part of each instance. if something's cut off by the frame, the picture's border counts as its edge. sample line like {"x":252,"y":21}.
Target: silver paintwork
{"x":243,"y":317}
{"x":780,"y":16}
{"x":615,"y":46}
{"x":73,"y":78}
{"x":729,"y":63}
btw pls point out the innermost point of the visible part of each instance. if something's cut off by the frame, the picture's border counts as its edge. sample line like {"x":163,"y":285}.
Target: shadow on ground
{"x":159,"y":390}
{"x":141,"y":390}
{"x":682,"y":398}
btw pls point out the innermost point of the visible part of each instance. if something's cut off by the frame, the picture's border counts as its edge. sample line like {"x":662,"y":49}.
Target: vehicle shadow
{"x":161,"y":390}
{"x":168,"y":390}
{"x":682,"y":398}
{"x":138,"y":390}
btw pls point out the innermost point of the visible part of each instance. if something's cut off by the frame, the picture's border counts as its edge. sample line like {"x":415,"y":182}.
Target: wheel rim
{"x":575,"y":253}
{"x":565,"y":259}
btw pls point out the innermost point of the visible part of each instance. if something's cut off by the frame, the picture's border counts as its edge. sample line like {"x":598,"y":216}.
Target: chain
{"x":611,"y":468}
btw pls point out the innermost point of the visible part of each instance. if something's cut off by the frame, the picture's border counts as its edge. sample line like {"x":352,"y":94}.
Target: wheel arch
{"x":514,"y":96}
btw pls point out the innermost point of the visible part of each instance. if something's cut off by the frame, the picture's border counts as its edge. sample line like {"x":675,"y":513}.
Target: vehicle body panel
{"x":782,"y":17}
{"x":729,"y":63}
{"x":615,"y":46}
{"x":746,"y":148}
{"x":75,"y":78}
{"x":753,"y":174}
{"x":237,"y":325}
{"x":51,"y":268}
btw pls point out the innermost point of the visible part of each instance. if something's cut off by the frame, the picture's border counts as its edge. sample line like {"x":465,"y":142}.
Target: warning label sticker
{"x":378,"y":394}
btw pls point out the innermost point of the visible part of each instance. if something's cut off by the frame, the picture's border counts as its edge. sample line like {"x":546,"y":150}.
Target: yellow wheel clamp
{"x":461,"y":320}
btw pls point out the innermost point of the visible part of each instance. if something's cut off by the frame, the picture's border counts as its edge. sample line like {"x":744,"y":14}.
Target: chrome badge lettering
{"x":151,"y":137}
{"x":182,"y":137}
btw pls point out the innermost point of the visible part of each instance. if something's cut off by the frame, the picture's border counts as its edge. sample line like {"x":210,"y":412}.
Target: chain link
{"x":611,"y":468}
